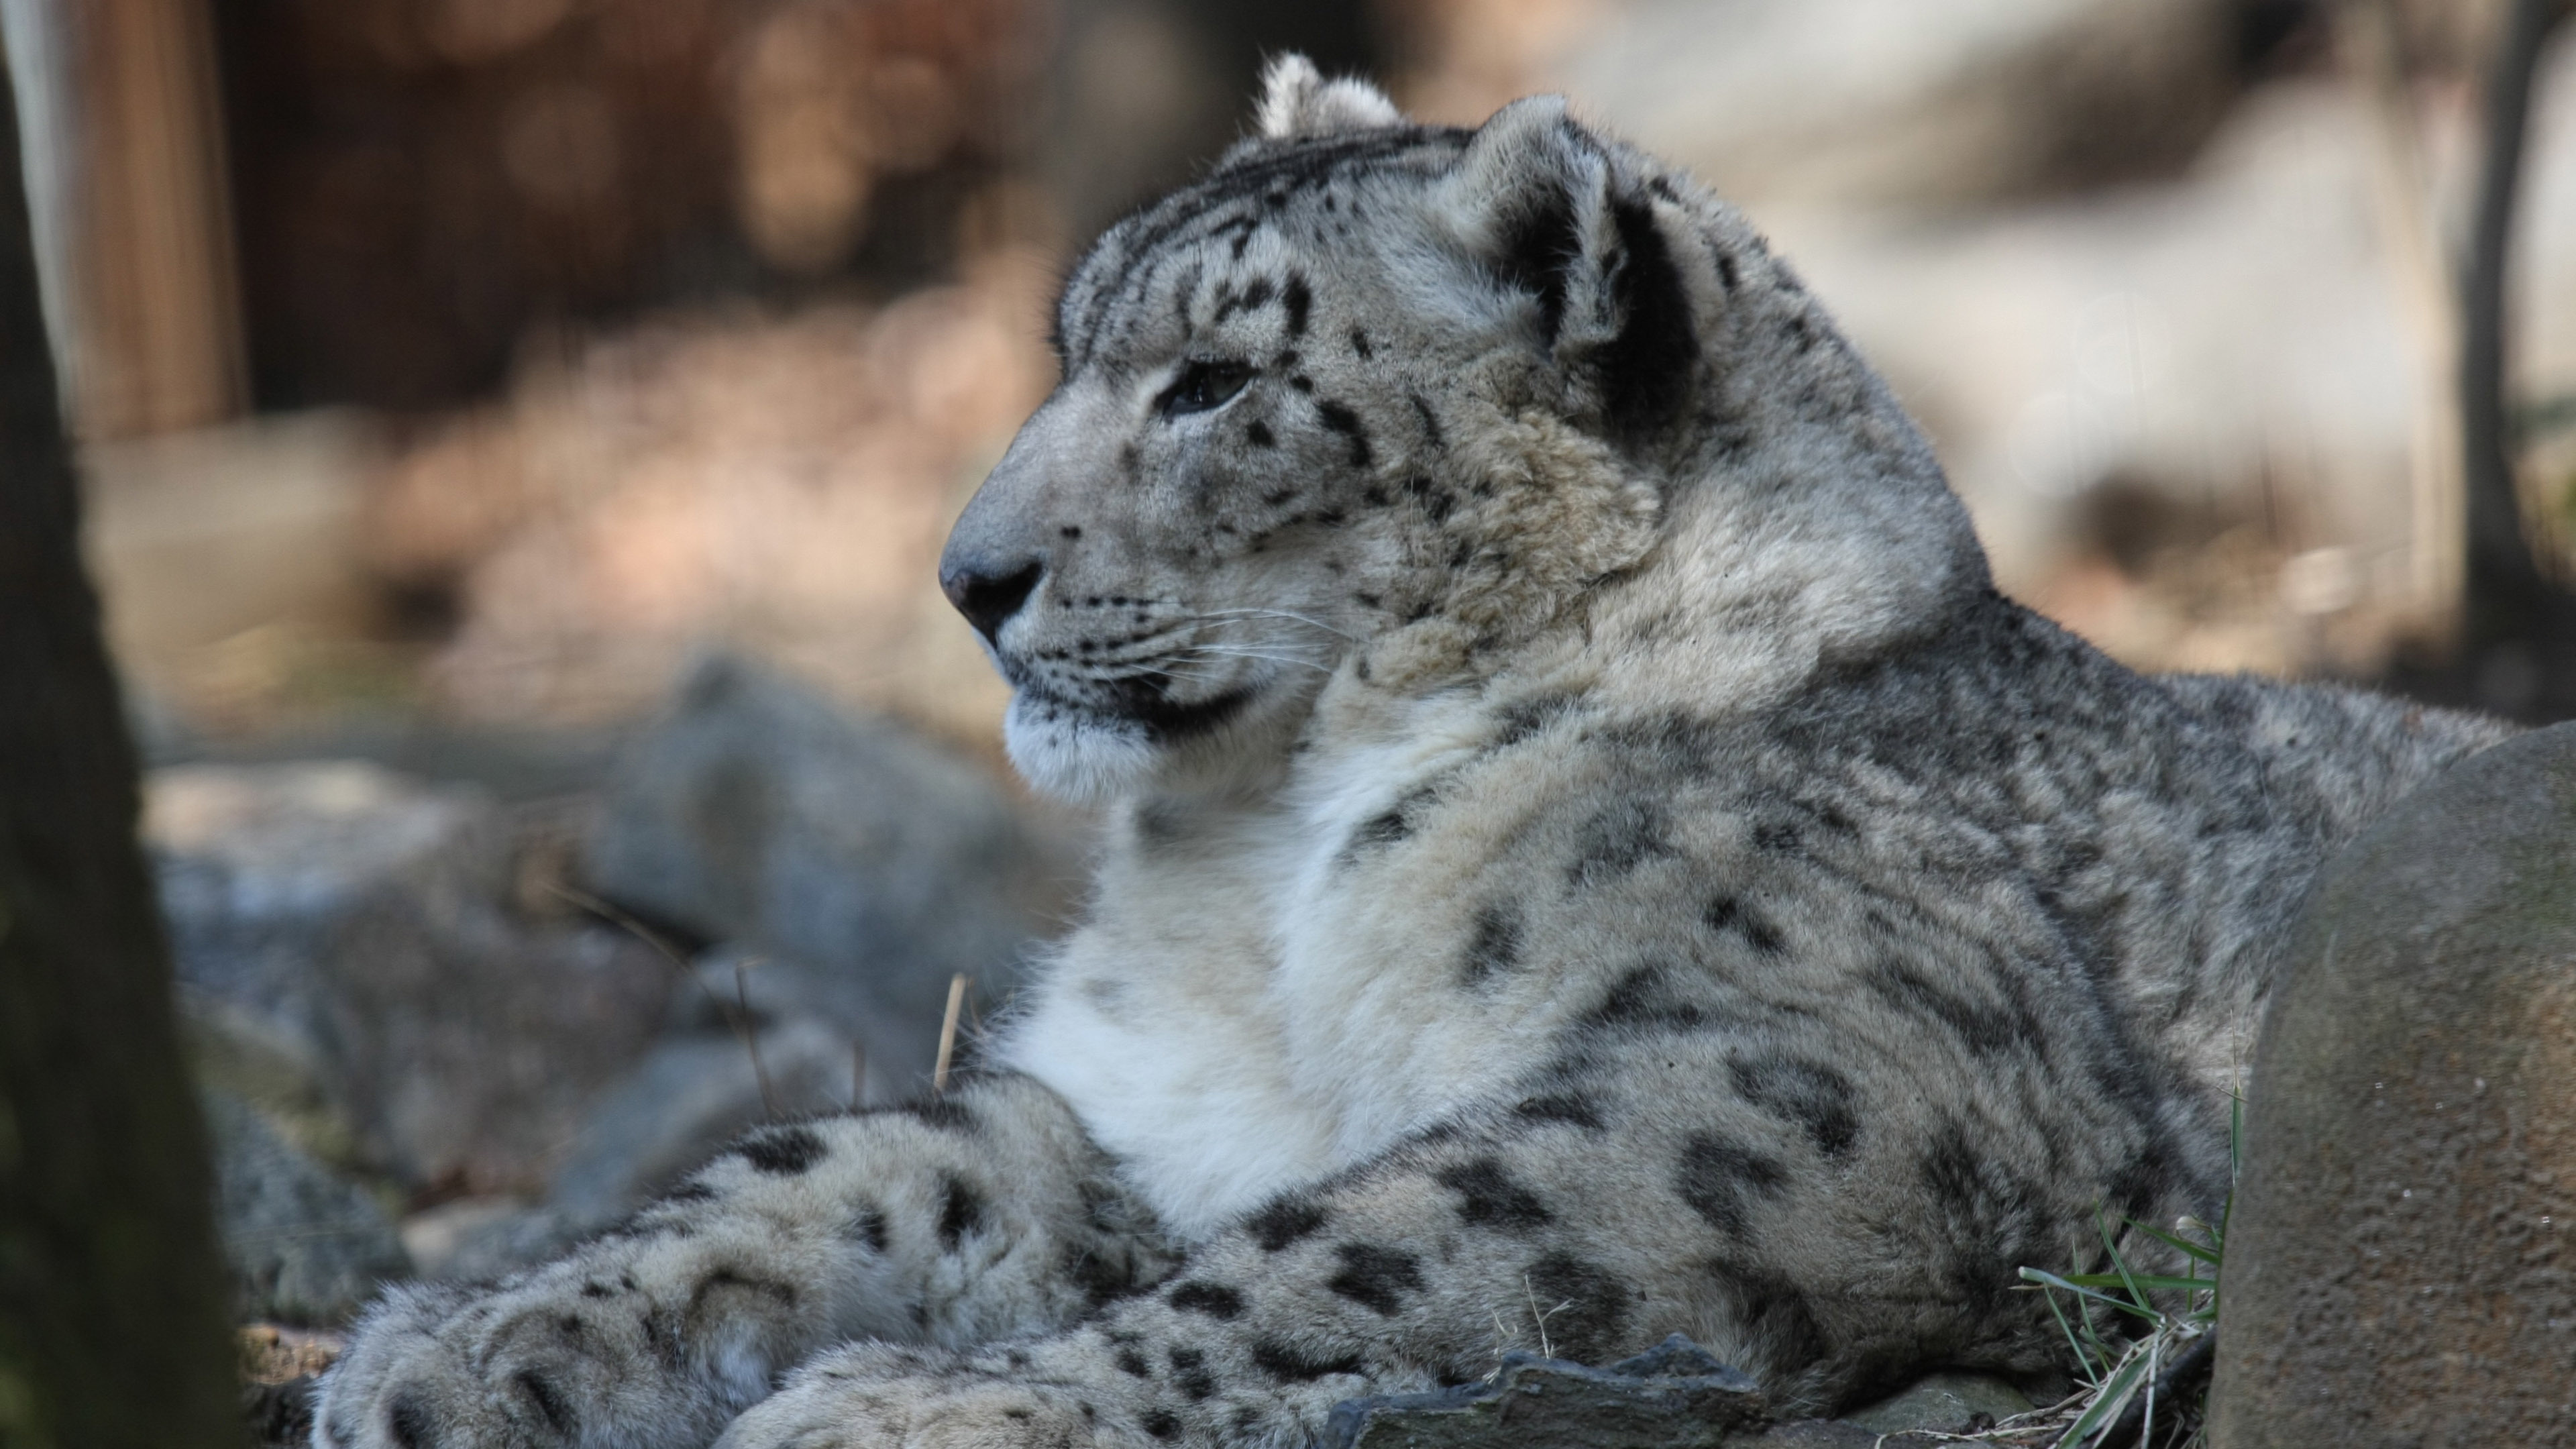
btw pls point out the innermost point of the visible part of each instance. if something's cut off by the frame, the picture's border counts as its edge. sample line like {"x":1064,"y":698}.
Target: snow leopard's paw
{"x":528,"y":1366}
{"x":878,"y":1396}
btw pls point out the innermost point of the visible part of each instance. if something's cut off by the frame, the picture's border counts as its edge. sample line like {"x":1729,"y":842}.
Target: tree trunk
{"x":112,"y":1300}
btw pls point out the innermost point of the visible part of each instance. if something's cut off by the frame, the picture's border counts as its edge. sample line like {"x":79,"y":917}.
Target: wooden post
{"x":158,"y":333}
{"x":112,"y":1300}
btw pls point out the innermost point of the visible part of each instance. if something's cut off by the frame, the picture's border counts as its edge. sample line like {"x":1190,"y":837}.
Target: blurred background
{"x":518,"y":435}
{"x":465,"y":365}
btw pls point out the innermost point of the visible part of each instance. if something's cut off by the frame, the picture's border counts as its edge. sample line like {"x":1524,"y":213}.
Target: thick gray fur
{"x":1597,"y":859}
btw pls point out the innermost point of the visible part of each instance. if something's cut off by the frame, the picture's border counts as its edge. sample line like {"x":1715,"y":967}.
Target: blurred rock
{"x":305,"y":1246}
{"x":1824,"y":1434}
{"x":866,"y":865}
{"x":243,"y":1053}
{"x":251,"y":856}
{"x":689,"y":1098}
{"x":400,"y":944}
{"x":1914,"y":101}
{"x":685,"y":1102}
{"x":1944,"y":1403}
{"x":511,"y":765}
{"x":2397,"y":1253}
{"x":478,"y":1239}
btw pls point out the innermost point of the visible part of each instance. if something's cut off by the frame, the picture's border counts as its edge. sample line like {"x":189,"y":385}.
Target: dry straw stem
{"x":948,"y":1032}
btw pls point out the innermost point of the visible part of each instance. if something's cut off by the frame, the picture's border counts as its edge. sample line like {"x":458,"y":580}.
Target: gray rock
{"x":1675,"y":1396}
{"x":305,"y":1246}
{"x":238,"y":1051}
{"x":257,"y":864}
{"x":473,"y":1240}
{"x":2398,"y":1261}
{"x":866,"y":864}
{"x":397,"y":945}
{"x":1944,"y":1403}
{"x":1822,"y":1434}
{"x":733,"y":984}
{"x":685,"y":1101}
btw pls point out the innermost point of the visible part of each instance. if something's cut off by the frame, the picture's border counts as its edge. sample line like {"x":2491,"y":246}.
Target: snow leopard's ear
{"x":1297,"y":102}
{"x":1547,"y":212}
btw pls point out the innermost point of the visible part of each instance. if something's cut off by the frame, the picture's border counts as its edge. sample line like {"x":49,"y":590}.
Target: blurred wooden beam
{"x":157,"y":315}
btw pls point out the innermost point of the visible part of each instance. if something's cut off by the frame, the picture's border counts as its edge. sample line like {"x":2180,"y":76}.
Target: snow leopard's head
{"x":1367,"y":377}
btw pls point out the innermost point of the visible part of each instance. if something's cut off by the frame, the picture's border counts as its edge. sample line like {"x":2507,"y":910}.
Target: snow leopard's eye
{"x":1203,"y":385}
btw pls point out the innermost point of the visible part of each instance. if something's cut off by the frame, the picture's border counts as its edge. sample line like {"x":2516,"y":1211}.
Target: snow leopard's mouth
{"x":1145,"y":702}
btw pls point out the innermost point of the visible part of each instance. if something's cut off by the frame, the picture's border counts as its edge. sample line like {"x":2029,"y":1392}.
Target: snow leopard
{"x":1592,"y":856}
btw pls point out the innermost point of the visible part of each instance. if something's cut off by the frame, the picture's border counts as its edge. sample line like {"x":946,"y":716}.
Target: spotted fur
{"x":1595,"y":858}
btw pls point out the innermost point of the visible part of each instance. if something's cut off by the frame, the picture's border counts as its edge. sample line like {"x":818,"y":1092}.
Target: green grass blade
{"x":2146,"y":1307}
{"x":2179,"y":1244}
{"x":2042,"y":1275}
{"x":2141,"y":1280}
{"x":2083,"y":1361}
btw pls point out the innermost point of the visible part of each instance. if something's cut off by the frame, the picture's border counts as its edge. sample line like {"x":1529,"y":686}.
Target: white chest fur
{"x":1247,"y":1011}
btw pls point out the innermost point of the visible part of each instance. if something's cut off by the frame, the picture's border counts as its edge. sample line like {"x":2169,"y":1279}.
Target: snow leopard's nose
{"x":989,"y":590}
{"x":1012,"y":531}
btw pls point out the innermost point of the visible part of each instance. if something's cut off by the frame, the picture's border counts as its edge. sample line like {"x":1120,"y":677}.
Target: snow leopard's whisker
{"x":1178,"y":671}
{"x":1218,"y":616}
{"x":1268,"y":651}
{"x":1143,"y":645}
{"x":1225,"y":651}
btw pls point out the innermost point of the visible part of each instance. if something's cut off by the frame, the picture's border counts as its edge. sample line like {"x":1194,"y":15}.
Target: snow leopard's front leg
{"x":1573,"y":1225}
{"x":983,"y":1213}
{"x":1643,"y":1189}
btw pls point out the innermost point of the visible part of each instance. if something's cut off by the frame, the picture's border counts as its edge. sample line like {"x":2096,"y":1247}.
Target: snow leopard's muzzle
{"x":1124,"y":649}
